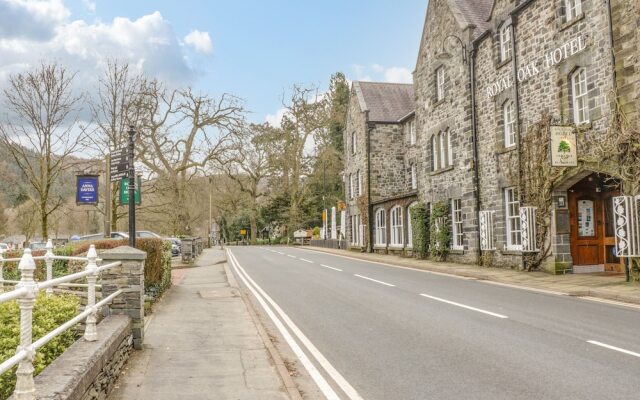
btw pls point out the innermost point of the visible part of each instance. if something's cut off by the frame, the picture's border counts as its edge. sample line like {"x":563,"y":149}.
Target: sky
{"x":253,"y":49}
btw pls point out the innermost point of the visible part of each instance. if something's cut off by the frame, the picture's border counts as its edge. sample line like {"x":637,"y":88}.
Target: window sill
{"x":504,"y":150}
{"x":584,"y":126}
{"x":379,"y":246}
{"x":438,"y":102}
{"x":511,"y":252}
{"x":440,"y":171}
{"x":396,"y":247}
{"x":456,"y":251}
{"x":503,"y":63}
{"x":571,"y":22}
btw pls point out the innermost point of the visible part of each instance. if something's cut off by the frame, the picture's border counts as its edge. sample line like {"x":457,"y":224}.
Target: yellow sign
{"x":324,"y":215}
{"x":243,"y":231}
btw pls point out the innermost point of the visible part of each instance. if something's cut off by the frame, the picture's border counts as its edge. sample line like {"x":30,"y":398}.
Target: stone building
{"x":494,"y":79}
{"x":380,"y":165}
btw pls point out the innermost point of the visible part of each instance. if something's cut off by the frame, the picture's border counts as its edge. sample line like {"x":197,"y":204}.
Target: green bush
{"x":420,"y":230}
{"x":49,"y":312}
{"x":439,"y":231}
{"x":157,"y":267}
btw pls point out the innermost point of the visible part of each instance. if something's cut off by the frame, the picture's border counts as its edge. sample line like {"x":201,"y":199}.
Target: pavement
{"x":380,"y":332}
{"x":202,"y":342}
{"x":605,"y":286}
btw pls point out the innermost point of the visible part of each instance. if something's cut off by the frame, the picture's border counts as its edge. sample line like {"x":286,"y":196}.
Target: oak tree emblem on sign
{"x":564,"y":147}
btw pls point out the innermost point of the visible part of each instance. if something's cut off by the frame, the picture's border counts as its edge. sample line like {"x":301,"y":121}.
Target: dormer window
{"x":439,"y":83}
{"x":505,"y":42}
{"x":573,"y":9}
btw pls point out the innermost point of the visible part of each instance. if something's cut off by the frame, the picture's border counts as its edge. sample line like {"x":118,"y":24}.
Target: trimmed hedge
{"x":49,"y":312}
{"x":439,"y":231}
{"x":420,"y":230}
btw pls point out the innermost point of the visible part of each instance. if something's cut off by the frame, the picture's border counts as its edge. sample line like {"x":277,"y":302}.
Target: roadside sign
{"x":124,"y":191}
{"x":119,"y":164}
{"x":87,"y":189}
{"x":243,"y":231}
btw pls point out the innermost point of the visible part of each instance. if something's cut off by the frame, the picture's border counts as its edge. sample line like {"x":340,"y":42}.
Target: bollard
{"x":49,"y":262}
{"x":90,"y":331}
{"x":25,"y":386}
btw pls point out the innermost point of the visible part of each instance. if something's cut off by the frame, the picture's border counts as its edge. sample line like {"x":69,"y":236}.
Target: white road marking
{"x":337,"y":377}
{"x":279,"y":252}
{"x":612,"y":302}
{"x":289,"y":255}
{"x":608,"y":346}
{"x":374,"y":280}
{"x":464,"y":306}
{"x":307,"y":261}
{"x":335,"y":269}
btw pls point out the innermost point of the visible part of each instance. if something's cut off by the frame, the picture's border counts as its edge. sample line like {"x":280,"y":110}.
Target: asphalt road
{"x":396,"y":333}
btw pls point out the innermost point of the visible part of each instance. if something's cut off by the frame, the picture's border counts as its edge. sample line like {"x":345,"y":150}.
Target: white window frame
{"x":509,"y":115}
{"x":359,"y":183}
{"x":449,"y":150}
{"x":512,"y":215}
{"x":444,"y":163}
{"x":573,"y":8}
{"x":414,"y":177}
{"x":410,"y":227}
{"x":355,"y":230}
{"x":440,"y":80}
{"x":354,"y":143}
{"x":457,"y":234}
{"x":505,"y":42}
{"x":412,"y":133}
{"x":381,"y":227}
{"x":435,"y":153}
{"x":351,"y":188}
{"x":397,"y":227}
{"x":579,"y":96}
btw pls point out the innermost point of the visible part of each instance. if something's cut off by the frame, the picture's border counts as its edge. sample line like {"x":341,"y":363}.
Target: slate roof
{"x":475,"y":12}
{"x":386,"y":102}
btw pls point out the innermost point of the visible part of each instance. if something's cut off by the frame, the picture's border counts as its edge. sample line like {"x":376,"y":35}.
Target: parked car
{"x":176,"y":246}
{"x":38,"y":246}
{"x":119,"y":235}
{"x":147,"y":235}
{"x":4,"y":248}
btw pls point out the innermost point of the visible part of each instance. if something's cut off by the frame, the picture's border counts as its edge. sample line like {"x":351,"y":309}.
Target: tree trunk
{"x":254,"y":227}
{"x":44,"y":221}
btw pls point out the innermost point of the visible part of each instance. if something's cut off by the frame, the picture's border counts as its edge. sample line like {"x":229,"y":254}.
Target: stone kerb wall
{"x":452,"y":114}
{"x":89,"y":370}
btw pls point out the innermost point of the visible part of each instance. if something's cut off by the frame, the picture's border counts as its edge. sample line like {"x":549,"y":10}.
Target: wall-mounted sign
{"x":564,"y":152}
{"x":546,"y":61}
{"x":87,"y":189}
{"x":124,"y":191}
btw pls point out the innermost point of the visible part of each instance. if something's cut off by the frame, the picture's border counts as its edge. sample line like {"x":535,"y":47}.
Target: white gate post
{"x":90,"y":330}
{"x":49,"y":262}
{"x":334,"y":228}
{"x":25,"y":386}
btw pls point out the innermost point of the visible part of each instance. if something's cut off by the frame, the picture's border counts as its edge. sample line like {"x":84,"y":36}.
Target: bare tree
{"x":181,"y":132}
{"x":247,"y":164}
{"x":40,"y":132}
{"x":113,"y":110}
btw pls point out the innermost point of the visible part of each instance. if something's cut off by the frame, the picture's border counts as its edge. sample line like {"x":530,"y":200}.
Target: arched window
{"x":579,"y":98}
{"x":397,"y":231}
{"x":509,"y":113}
{"x":381,"y":228}
{"x":410,"y":227}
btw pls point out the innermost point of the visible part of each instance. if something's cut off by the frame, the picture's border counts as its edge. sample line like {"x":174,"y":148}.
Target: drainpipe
{"x":370,"y":127}
{"x":613,"y":55}
{"x":474,"y":133}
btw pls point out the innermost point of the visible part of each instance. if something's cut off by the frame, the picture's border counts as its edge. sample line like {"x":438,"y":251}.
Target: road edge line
{"x":344,"y":385}
{"x":315,"y":374}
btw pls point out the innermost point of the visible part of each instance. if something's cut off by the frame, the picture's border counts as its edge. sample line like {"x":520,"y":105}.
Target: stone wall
{"x":452,"y":114}
{"x":390,"y":164}
{"x":88,"y":370}
{"x":626,"y":34}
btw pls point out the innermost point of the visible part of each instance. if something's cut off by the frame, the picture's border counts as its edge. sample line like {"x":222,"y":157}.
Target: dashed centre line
{"x":453,"y":303}
{"x":289,"y":255}
{"x":307,"y":261}
{"x":333,"y":268}
{"x":608,"y":346}
{"x":374,"y":280}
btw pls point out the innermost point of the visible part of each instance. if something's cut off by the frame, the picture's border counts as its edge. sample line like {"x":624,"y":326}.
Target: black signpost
{"x":132,"y":187}
{"x":119,"y":167}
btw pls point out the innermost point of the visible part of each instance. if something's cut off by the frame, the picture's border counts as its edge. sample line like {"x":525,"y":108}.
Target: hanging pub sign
{"x":87,"y":189}
{"x":564,"y":152}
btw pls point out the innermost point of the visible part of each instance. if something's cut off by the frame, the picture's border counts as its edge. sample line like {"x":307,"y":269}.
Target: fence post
{"x":128,"y":277}
{"x":25,"y":387}
{"x":49,"y":262}
{"x":90,"y":331}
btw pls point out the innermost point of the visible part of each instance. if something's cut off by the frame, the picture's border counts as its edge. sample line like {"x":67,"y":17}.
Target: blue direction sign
{"x":87,"y":189}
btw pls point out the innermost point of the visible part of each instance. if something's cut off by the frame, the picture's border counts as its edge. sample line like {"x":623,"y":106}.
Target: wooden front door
{"x":592,"y":234}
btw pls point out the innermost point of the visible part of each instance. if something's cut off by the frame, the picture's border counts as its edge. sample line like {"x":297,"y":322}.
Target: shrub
{"x":157,"y":267}
{"x":439,"y":231}
{"x":48,"y":313}
{"x":420,"y":228}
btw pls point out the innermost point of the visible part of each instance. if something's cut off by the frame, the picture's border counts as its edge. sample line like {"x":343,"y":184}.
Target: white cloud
{"x":200,"y":41}
{"x":31,"y":19}
{"x":148,"y":43}
{"x":276,"y":119}
{"x":398,"y":75}
{"x":89,"y":5}
{"x":376,"y":72}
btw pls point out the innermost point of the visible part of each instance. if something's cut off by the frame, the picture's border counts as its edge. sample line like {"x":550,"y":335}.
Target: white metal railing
{"x":25,"y":292}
